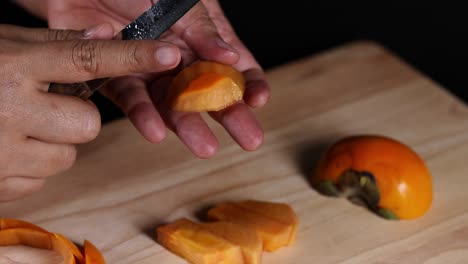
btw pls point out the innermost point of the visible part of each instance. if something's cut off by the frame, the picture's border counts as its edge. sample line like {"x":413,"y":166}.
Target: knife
{"x":150,"y":25}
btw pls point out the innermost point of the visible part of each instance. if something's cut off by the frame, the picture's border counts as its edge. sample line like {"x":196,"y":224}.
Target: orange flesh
{"x":197,"y":245}
{"x":273,"y":233}
{"x":402,"y":177}
{"x":36,"y":239}
{"x":206,"y":86}
{"x":92,"y":254}
{"x":247,"y":239}
{"x":71,"y":247}
{"x":206,"y":81}
{"x":7,"y":223}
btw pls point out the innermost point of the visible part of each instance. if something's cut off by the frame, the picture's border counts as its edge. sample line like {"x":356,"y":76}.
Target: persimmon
{"x":196,"y":244}
{"x":17,"y":232}
{"x":7,"y":223}
{"x":37,"y":239}
{"x":92,"y":255}
{"x":206,"y":86}
{"x":381,"y":173}
{"x":276,"y":223}
{"x":247,"y":239}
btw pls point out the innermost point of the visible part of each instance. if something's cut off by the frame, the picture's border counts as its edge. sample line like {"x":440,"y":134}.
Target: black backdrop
{"x":431,"y":39}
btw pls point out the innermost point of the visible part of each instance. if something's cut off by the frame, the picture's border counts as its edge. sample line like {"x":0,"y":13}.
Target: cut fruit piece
{"x":71,"y":246}
{"x":206,"y":86}
{"x":7,"y":223}
{"x":247,"y":239}
{"x":280,"y":212}
{"x":63,"y":248}
{"x":197,"y":245}
{"x":36,"y":239}
{"x":92,"y":254}
{"x":379,"y":172}
{"x":273,"y":229}
{"x":25,"y":237}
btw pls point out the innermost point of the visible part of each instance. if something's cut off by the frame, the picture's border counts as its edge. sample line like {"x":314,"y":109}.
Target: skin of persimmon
{"x":401,"y":176}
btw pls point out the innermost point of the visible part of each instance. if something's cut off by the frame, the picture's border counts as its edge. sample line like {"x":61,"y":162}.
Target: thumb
{"x":83,"y":60}
{"x":198,"y":30}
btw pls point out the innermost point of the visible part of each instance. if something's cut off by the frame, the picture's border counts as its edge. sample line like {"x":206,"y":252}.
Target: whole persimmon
{"x":381,"y":173}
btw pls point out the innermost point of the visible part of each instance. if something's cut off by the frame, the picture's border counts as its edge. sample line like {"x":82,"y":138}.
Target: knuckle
{"x":85,"y":57}
{"x":57,"y":34}
{"x":133,"y":56}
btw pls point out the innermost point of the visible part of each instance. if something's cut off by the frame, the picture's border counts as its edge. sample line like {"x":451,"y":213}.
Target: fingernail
{"x":224,"y":45}
{"x":167,"y":55}
{"x":92,"y":30}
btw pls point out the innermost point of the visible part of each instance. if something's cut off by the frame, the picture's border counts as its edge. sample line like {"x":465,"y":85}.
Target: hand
{"x":203,"y":33}
{"x":39,"y":129}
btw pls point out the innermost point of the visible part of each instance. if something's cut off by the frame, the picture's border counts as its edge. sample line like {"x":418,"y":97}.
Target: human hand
{"x":39,"y":129}
{"x":203,"y":33}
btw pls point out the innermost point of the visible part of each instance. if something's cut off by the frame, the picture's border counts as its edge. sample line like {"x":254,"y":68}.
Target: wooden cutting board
{"x":123,"y":187}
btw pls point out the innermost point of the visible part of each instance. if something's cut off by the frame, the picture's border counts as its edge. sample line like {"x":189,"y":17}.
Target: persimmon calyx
{"x":358,"y":187}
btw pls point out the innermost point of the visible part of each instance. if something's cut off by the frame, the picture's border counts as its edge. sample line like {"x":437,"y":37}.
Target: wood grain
{"x":123,"y":187}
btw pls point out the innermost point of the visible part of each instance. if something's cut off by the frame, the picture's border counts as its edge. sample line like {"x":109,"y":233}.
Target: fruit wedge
{"x":275,"y":223}
{"x":206,"y":86}
{"x":197,"y":245}
{"x":92,"y":254}
{"x":246,"y":238}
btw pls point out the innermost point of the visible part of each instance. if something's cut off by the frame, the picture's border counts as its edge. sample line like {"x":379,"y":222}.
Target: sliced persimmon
{"x":247,"y":239}
{"x":36,"y":239}
{"x":274,"y":233}
{"x":281,"y":212}
{"x":196,"y":244}
{"x":92,"y":254}
{"x":25,"y":237}
{"x":206,"y":86}
{"x":71,"y":247}
{"x":7,"y":223}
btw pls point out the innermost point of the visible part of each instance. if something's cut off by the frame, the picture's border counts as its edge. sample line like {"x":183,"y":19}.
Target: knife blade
{"x":149,"y":25}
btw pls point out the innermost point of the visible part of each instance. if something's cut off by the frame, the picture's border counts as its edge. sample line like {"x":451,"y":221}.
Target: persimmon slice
{"x":246,"y":238}
{"x":36,"y":239}
{"x":206,"y":86}
{"x":92,"y":254}
{"x":71,"y":246}
{"x":275,"y":223}
{"x":196,"y":244}
{"x":7,"y":223}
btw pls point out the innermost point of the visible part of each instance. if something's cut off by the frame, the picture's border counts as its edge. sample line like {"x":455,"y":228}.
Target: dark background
{"x":433,"y":40}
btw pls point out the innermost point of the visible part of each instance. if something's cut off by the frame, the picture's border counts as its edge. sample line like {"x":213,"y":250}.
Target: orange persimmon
{"x":384,"y":174}
{"x":275,"y":223}
{"x":36,"y":239}
{"x":92,"y":255}
{"x":196,"y":244}
{"x":247,"y":239}
{"x":7,"y":223}
{"x":71,"y":246}
{"x":206,"y":86}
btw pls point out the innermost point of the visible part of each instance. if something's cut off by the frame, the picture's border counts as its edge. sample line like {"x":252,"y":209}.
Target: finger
{"x":13,"y":188}
{"x":102,"y":31}
{"x":201,"y":34}
{"x":61,"y":119}
{"x":190,"y":128}
{"x":258,"y":91}
{"x":131,"y":95}
{"x":242,"y":125}
{"x":39,"y":159}
{"x":82,"y":60}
